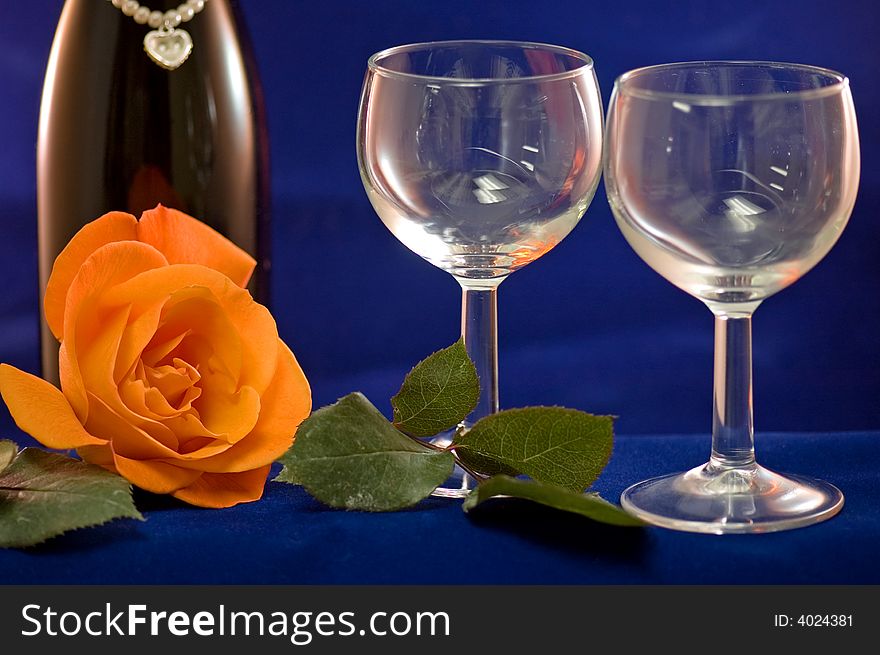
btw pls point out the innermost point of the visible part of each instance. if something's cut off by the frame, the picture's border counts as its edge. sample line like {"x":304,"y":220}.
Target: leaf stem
{"x":451,"y":448}
{"x":424,"y":442}
{"x":478,"y":477}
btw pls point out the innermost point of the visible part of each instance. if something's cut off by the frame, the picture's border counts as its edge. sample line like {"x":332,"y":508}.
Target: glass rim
{"x":374,"y":66}
{"x":709,"y":99}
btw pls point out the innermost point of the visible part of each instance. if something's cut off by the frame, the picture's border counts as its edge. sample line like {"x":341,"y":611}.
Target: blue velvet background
{"x":289,"y":538}
{"x":588,"y":326}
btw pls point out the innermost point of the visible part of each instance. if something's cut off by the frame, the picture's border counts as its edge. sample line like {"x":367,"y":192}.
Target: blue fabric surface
{"x":588,"y":326}
{"x":289,"y":538}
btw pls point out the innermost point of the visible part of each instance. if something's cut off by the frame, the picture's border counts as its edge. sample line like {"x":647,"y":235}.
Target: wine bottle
{"x":119,"y":132}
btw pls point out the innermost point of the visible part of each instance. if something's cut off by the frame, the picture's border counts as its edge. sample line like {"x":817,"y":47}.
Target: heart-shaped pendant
{"x":168,"y":48}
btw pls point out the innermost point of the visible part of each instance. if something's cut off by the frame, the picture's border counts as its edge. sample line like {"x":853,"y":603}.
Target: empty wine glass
{"x":732,"y":180}
{"x":480,"y":156}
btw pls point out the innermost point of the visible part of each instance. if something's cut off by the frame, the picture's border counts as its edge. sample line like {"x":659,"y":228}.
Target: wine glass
{"x":732,"y":180}
{"x":480,"y":156}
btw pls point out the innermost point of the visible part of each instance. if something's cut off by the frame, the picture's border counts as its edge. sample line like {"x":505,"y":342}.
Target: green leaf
{"x":45,"y":494}
{"x":438,"y":393}
{"x":348,"y":455}
{"x":560,"y":446}
{"x":588,"y":505}
{"x":8,"y":451}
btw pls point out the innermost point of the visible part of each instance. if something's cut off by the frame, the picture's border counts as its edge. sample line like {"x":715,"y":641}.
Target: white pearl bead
{"x":172,"y":18}
{"x":141,"y":15}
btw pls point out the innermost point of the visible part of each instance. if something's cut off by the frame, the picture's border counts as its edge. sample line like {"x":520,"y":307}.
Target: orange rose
{"x":171,"y":374}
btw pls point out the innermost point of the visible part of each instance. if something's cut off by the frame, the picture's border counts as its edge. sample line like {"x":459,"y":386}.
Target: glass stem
{"x":479,"y":329}
{"x":733,"y":437}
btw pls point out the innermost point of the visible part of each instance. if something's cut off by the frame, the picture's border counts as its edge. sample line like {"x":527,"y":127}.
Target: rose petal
{"x":133,"y":393}
{"x":176,"y":384}
{"x":157,"y":477}
{"x":123,"y":431}
{"x":115,"y":226}
{"x":153,"y":426}
{"x":288,"y":400}
{"x":226,"y":412}
{"x":42,"y":411}
{"x":197,"y":312}
{"x":98,"y":455}
{"x":186,"y":240}
{"x":286,"y":403}
{"x":108,"y":266}
{"x":157,"y":350}
{"x":96,"y":358}
{"x":140,"y":331}
{"x":225,"y":489}
{"x":71,"y":384}
{"x":135,"y":442}
{"x":161,"y":392}
{"x":96,"y":361}
{"x":253,"y":322}
{"x":188,"y":426}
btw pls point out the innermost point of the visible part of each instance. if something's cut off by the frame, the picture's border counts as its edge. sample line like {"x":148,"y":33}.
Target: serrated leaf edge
{"x":136,"y":515}
{"x":458,"y":445}
{"x":395,"y":412}
{"x":288,"y":468}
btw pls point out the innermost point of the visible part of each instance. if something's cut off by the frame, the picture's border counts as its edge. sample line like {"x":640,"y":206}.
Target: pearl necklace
{"x":166,"y":44}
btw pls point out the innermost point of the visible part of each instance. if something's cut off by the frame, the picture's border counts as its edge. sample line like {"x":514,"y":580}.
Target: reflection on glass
{"x":480,"y":157}
{"x":732,"y":180}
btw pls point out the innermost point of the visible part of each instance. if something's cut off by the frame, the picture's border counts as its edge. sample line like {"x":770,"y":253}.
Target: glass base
{"x":457,"y":485}
{"x":460,"y":483}
{"x":723,"y":500}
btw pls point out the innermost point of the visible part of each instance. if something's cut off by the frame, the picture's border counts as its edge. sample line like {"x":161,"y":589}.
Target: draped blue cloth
{"x":289,"y":538}
{"x":588,"y":326}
